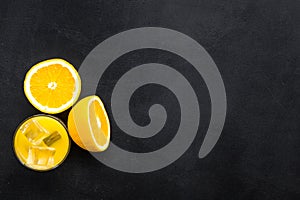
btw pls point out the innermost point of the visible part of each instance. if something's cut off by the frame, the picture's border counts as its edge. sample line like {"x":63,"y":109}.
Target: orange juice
{"x":41,"y":142}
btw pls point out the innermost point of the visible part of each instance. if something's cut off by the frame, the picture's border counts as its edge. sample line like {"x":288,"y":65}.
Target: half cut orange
{"x":88,"y":124}
{"x":52,"y":86}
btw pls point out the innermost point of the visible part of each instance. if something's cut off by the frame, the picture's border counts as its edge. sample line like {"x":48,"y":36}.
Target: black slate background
{"x":255,"y":45}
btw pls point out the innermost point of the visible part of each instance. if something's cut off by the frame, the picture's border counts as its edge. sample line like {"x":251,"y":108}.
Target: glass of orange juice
{"x":41,"y":142}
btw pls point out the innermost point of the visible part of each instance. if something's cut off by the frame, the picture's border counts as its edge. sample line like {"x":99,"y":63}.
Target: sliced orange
{"x":52,"y":86}
{"x":88,"y":124}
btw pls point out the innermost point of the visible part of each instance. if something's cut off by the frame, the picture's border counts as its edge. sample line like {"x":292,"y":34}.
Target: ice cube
{"x":34,"y":131}
{"x":39,"y":156}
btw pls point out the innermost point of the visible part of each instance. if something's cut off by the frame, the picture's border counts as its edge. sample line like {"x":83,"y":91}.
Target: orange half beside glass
{"x":41,"y":142}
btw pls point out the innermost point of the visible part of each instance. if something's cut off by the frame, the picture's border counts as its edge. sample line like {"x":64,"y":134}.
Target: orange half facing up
{"x":88,"y":124}
{"x":52,"y":86}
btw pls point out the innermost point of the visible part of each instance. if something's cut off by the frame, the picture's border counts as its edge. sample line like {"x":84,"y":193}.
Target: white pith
{"x":52,"y":85}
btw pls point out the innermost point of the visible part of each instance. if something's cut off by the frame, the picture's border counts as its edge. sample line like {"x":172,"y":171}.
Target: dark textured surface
{"x":255,"y":46}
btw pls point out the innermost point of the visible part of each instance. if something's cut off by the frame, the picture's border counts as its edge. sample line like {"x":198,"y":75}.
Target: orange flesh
{"x":59,"y":78}
{"x":98,"y":122}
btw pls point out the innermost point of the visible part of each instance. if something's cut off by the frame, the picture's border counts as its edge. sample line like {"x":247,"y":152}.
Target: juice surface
{"x":41,"y":142}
